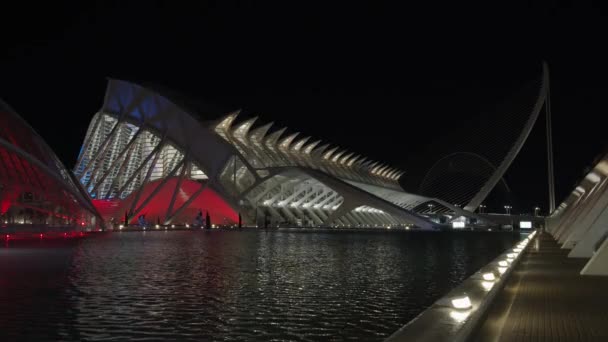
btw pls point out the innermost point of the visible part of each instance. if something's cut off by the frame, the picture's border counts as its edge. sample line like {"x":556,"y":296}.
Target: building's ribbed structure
{"x":141,"y":144}
{"x":36,"y":190}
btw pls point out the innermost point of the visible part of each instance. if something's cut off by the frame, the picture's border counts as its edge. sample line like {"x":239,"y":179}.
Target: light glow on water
{"x":223,"y":285}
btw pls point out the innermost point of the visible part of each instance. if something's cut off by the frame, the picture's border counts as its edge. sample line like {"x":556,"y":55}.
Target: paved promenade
{"x":546,"y":299}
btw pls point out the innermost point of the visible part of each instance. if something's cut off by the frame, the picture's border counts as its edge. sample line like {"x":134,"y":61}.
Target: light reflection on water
{"x":232,"y":286}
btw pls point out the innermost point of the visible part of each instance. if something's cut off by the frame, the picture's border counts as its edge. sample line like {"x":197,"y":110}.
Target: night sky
{"x":380,"y":80}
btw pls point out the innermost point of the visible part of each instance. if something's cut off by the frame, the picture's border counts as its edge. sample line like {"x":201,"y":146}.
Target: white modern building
{"x":144,"y":154}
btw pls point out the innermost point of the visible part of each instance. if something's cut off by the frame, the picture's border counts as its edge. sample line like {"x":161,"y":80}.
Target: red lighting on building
{"x":208,"y":200}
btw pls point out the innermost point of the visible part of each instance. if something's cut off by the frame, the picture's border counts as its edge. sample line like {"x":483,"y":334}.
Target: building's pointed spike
{"x":241,"y":130}
{"x":272,"y":138}
{"x":365,"y":163}
{"x":362,"y":161}
{"x":353,"y":160}
{"x":225,"y":122}
{"x":297,"y":146}
{"x":286,"y":142}
{"x":259,"y":133}
{"x":319,"y":151}
{"x":329,"y":153}
{"x":337,"y":156}
{"x":375,"y":167}
{"x":346,"y":158}
{"x":379,"y":169}
{"x":392,"y":174}
{"x":310,"y":147}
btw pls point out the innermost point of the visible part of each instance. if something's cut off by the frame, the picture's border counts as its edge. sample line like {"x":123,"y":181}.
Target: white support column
{"x":321,"y":214}
{"x":313,"y":191}
{"x":581,"y":208}
{"x":318,"y":197}
{"x":289,"y":213}
{"x":144,"y":182}
{"x":598,"y":265}
{"x":315,"y":217}
{"x":178,"y":187}
{"x":565,"y":220}
{"x":297,"y":191}
{"x":186,"y":204}
{"x":358,"y":215}
{"x":119,"y":158}
{"x":154,"y":155}
{"x":372,"y":221}
{"x":592,"y":210}
{"x":599,"y":227}
{"x":329,"y":197}
{"x":155,"y":191}
{"x":334,"y":202}
{"x":282,"y":189}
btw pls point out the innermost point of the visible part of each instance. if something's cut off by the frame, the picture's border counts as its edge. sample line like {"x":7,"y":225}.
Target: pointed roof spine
{"x":298,"y":145}
{"x":225,"y":123}
{"x":353,"y":160}
{"x":365,"y":164}
{"x":271,"y":139}
{"x":241,"y":131}
{"x":286,"y":142}
{"x":330,"y":152}
{"x":392,"y":174}
{"x":254,"y":138}
{"x":375,"y":167}
{"x":337,"y":156}
{"x":385,"y":173}
{"x":318,"y":152}
{"x":382,"y":172}
{"x":258,"y":134}
{"x":308,"y":149}
{"x":344,"y":159}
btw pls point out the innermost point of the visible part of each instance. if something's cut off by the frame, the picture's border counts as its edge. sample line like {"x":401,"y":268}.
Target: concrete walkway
{"x":546,"y":299}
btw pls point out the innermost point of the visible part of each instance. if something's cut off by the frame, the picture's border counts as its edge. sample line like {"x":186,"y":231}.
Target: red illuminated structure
{"x":38,"y":195}
{"x":155,"y":210}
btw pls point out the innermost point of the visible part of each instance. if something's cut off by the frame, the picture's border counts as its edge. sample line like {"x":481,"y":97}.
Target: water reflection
{"x":234,"y":286}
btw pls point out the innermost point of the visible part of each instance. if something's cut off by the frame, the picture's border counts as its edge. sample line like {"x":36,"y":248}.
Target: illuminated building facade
{"x":143,"y":154}
{"x":36,"y":190}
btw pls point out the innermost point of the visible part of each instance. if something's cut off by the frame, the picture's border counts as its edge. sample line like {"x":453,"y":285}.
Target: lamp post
{"x":430,"y":208}
{"x":508,"y":209}
{"x":536,"y":209}
{"x":482,"y":208}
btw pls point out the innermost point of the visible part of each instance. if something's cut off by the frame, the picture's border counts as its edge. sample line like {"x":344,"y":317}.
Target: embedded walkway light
{"x":489,"y":276}
{"x":462,"y":303}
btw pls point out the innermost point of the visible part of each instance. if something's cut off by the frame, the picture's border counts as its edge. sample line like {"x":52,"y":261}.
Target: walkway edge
{"x":443,"y":322}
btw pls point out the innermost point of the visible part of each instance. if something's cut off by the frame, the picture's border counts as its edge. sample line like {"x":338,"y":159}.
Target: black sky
{"x":377,"y":79}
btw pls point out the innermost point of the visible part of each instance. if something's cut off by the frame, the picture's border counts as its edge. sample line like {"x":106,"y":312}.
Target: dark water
{"x":232,"y":286}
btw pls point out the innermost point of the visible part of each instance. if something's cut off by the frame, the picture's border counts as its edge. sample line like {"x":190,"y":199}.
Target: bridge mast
{"x":550,"y":176}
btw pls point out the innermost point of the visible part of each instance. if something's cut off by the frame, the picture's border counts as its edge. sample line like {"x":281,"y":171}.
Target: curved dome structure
{"x":456,"y":177}
{"x":36,"y":190}
{"x":143,"y":151}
